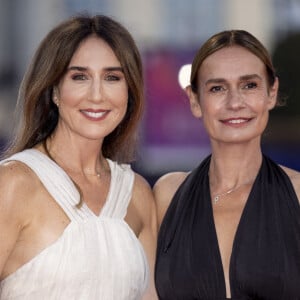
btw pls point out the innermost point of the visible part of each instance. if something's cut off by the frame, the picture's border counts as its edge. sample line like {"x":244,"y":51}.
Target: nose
{"x":96,"y":91}
{"x":235,"y":99}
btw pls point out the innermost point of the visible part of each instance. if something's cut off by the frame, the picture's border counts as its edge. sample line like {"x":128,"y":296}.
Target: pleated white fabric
{"x":96,"y":257}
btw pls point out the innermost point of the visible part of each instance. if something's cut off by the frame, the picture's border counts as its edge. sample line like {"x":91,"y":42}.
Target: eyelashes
{"x":83,"y":77}
{"x":222,"y":88}
{"x":79,"y":77}
{"x":251,"y":85}
{"x":112,"y":78}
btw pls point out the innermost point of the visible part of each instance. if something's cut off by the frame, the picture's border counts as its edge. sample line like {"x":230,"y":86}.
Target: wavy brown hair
{"x":38,"y":114}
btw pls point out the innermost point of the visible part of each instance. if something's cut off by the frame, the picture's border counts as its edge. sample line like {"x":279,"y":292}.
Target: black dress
{"x":265,"y":259}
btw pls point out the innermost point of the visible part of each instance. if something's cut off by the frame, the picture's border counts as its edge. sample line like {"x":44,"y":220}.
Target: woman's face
{"x":233,"y":97}
{"x":92,"y":95}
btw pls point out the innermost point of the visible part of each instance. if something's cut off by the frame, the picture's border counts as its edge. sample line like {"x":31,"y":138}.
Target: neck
{"x":74,"y":161}
{"x":230,"y":169}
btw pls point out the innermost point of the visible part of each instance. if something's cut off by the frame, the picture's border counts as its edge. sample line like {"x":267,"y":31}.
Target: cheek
{"x":118,"y":96}
{"x":209,"y":117}
{"x":69,"y":96}
{"x":262,"y":106}
{"x":211,"y":107}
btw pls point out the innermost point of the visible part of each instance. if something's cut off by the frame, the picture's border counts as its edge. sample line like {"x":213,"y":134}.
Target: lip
{"x":94,"y":114}
{"x":237,"y":122}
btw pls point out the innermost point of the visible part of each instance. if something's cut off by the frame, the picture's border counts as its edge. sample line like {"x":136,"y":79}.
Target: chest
{"x":93,"y":191}
{"x":96,"y":258}
{"x":252,"y":252}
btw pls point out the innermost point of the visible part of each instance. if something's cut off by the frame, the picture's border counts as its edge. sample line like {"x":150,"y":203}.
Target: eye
{"x":112,"y":77}
{"x":216,"y":88}
{"x":79,"y":77}
{"x":250,"y":85}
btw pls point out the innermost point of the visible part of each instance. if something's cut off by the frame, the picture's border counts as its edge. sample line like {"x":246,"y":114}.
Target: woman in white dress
{"x":76,"y":222}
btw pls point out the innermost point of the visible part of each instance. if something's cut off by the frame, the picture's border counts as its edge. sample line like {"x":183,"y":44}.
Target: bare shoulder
{"x":141,"y":185}
{"x":169,"y":182}
{"x":143,"y":221}
{"x":16,"y":184}
{"x":16,"y":177}
{"x":295,"y":179}
{"x":164,"y":190}
{"x":142,"y":206}
{"x":142,"y":193}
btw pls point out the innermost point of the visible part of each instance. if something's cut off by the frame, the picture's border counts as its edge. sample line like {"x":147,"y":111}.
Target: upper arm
{"x":12,"y":209}
{"x":295,"y":179}
{"x":296,"y":184}
{"x":143,"y":201}
{"x":164,"y":190}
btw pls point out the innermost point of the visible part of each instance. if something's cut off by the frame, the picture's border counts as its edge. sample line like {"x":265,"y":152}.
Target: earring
{"x":55,"y":97}
{"x":56,"y":101}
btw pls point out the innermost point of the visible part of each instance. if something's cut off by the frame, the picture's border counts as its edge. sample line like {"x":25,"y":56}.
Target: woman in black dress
{"x":230,"y":229}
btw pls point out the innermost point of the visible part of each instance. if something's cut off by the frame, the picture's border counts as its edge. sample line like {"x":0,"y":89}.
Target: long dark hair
{"x":38,"y":116}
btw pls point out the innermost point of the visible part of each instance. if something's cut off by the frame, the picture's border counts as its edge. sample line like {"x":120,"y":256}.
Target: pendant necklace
{"x":217,"y":197}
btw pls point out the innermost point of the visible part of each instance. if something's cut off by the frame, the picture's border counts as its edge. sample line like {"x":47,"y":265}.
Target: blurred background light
{"x":184,"y":76}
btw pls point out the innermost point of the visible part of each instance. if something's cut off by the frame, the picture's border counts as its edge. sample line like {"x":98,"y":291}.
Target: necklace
{"x":217,"y":197}
{"x":98,"y":174}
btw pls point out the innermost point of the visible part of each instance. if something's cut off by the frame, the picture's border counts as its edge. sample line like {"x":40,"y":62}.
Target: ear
{"x":55,"y":97}
{"x":194,"y":102}
{"x":273,"y":93}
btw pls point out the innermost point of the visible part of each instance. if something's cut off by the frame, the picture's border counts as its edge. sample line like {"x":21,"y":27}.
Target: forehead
{"x":94,"y":50}
{"x":232,"y":61}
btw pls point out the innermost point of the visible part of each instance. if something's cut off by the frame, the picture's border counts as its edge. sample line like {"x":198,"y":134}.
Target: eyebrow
{"x":251,"y":76}
{"x":242,"y":78}
{"x":78,"y":68}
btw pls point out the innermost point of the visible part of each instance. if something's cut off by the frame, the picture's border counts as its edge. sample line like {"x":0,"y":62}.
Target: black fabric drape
{"x":265,"y":259}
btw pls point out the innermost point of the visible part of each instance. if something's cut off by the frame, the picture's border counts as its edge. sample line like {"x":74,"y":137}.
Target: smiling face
{"x":233,"y":96}
{"x":92,"y":95}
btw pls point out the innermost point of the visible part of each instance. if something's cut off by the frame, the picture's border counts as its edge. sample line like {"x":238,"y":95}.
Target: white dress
{"x":96,"y":257}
